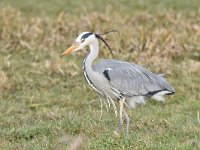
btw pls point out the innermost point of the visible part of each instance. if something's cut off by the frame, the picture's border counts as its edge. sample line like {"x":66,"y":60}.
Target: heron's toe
{"x":116,"y":134}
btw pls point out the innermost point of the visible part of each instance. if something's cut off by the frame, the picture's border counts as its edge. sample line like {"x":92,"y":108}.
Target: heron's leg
{"x":127,"y":122}
{"x":120,"y":122}
{"x":121,"y":104}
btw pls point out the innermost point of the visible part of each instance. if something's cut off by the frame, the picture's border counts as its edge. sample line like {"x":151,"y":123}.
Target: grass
{"x":45,"y":102}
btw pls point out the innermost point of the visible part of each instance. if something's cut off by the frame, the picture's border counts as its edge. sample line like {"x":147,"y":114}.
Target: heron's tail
{"x":167,"y":89}
{"x":166,"y":86}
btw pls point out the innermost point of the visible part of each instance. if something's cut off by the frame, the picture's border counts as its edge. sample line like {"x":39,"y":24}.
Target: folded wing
{"x":131,"y":79}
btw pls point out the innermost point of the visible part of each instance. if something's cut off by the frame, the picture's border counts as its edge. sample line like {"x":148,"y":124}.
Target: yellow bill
{"x":69,"y":50}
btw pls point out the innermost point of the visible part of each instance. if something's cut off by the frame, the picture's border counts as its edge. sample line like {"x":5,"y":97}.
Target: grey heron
{"x":125,"y":82}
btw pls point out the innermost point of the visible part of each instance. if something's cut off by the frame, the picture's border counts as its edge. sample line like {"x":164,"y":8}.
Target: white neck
{"x":92,"y":55}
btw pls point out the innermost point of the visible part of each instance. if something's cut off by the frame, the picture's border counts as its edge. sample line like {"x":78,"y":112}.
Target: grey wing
{"x":131,"y":79}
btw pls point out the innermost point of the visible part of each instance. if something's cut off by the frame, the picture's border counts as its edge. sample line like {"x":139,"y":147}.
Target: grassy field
{"x":45,"y":103}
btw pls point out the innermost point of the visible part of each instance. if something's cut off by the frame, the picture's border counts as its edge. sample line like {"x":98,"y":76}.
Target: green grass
{"x":45,"y":102}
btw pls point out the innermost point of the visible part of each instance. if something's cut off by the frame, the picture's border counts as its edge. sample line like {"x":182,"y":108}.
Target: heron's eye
{"x":82,"y":40}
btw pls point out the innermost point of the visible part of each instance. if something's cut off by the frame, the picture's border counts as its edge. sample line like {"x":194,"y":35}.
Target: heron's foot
{"x":116,"y":134}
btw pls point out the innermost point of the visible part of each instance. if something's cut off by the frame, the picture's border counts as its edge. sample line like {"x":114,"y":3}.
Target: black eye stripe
{"x":86,"y":35}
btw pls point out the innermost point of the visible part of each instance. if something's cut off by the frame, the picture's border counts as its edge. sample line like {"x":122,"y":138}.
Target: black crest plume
{"x":104,"y":40}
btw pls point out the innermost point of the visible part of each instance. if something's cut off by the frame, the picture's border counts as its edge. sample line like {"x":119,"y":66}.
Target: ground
{"x":45,"y":102}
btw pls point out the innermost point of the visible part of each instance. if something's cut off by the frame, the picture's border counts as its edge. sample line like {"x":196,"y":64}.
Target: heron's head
{"x":85,"y":39}
{"x":81,"y":41}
